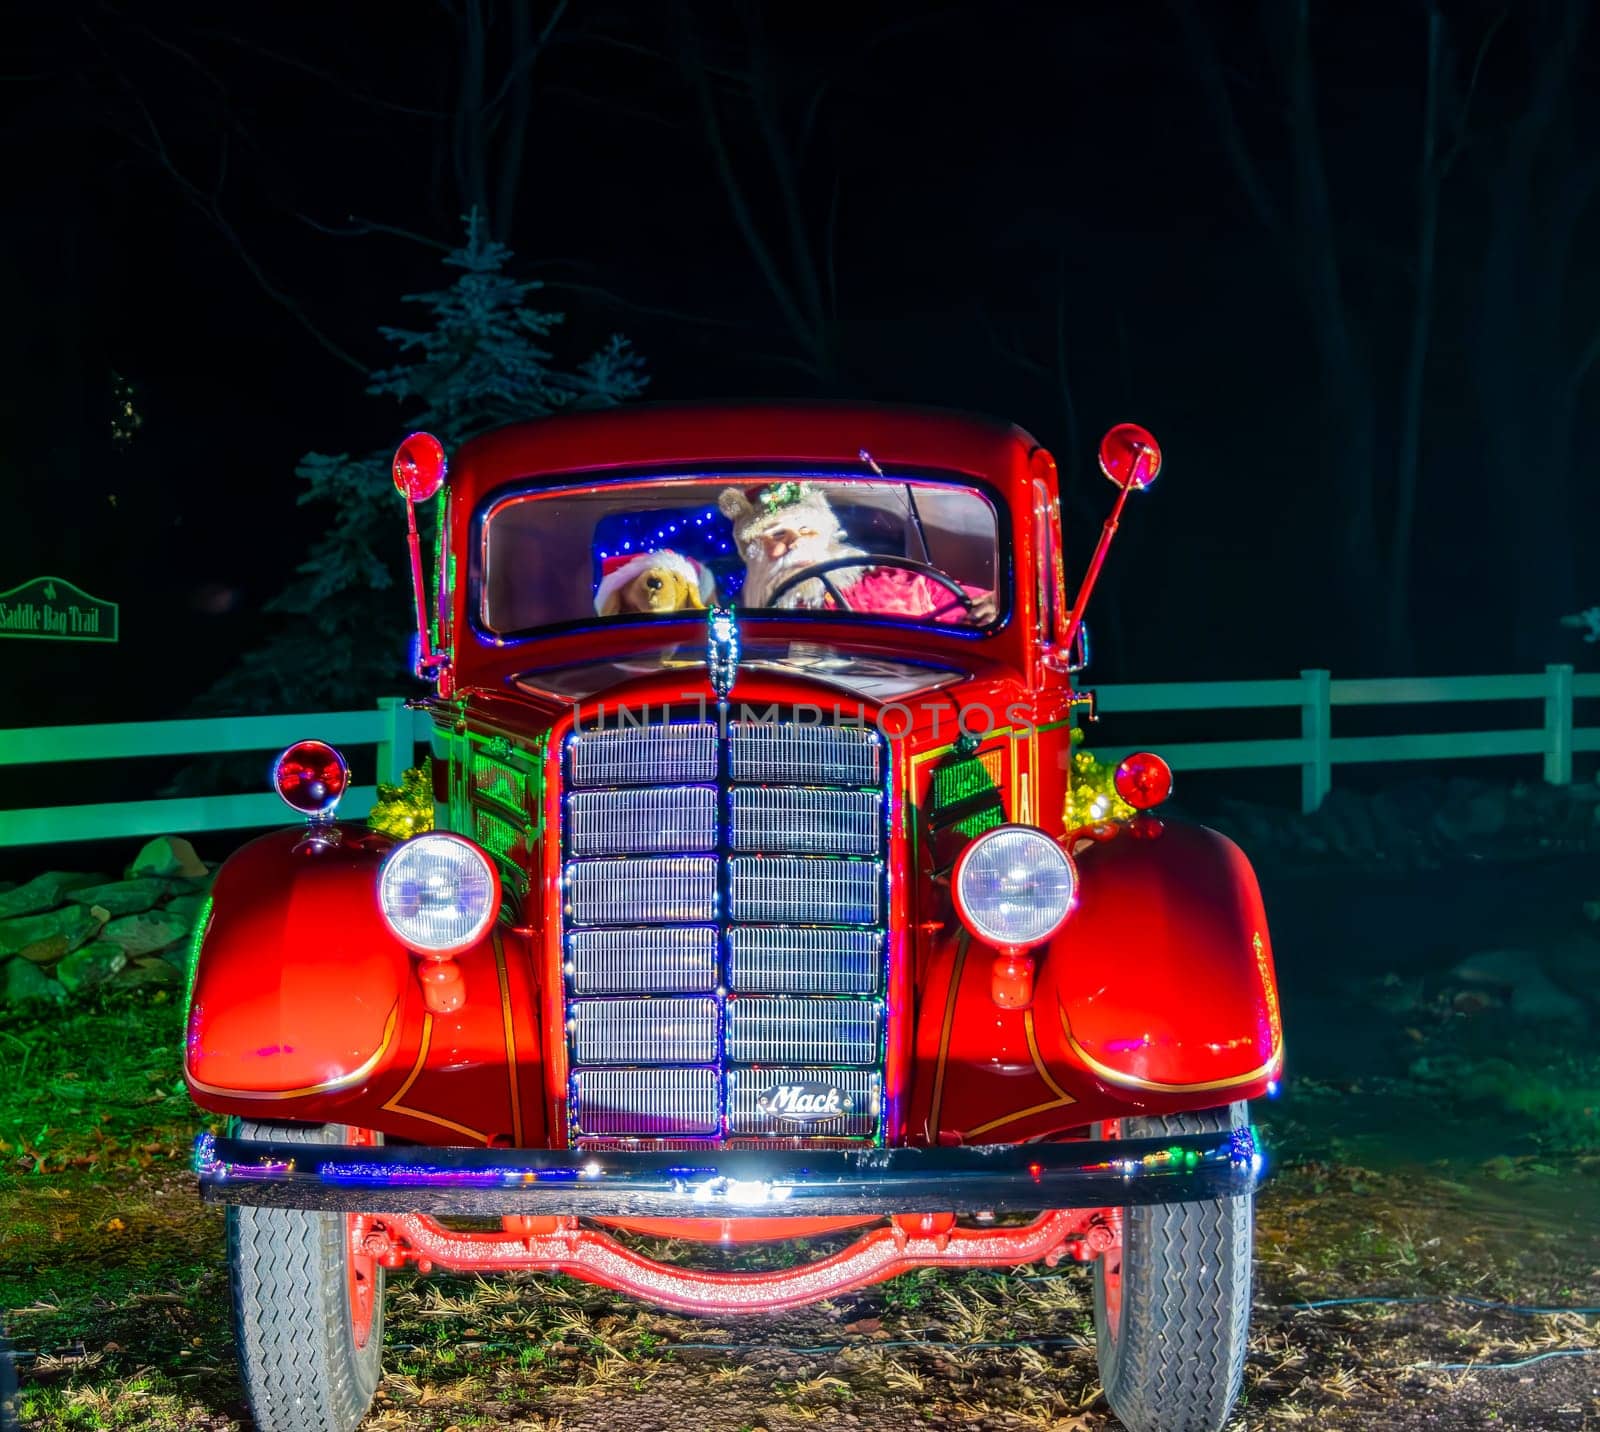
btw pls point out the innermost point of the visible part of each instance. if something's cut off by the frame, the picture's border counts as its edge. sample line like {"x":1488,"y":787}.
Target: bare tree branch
{"x":764,"y":98}
{"x":676,"y":315}
{"x":518,"y":82}
{"x":470,"y":142}
{"x":699,"y":80}
{"x":518,"y":87}
{"x":1069,"y":408}
{"x":328,"y":77}
{"x":525,"y":54}
{"x":1463,"y":106}
{"x":830,"y":251}
{"x":359,"y":228}
{"x":208,"y":204}
{"x":1430,"y":179}
{"x":1213,"y":79}
{"x":1586,"y":360}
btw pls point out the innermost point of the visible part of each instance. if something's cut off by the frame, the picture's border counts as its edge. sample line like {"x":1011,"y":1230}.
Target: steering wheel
{"x":818,"y":571}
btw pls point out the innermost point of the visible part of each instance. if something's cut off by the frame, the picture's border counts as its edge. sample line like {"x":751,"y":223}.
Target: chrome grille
{"x":753,"y":1110}
{"x":806,"y":820}
{"x":647,"y":1101}
{"x":658,"y":889}
{"x":803,"y":959}
{"x":797,"y":887}
{"x":766,"y":1029}
{"x":645,"y":755}
{"x":802,"y":753}
{"x":667,"y":959}
{"x":723,"y":937}
{"x":643,"y":1031}
{"x":679,"y":819}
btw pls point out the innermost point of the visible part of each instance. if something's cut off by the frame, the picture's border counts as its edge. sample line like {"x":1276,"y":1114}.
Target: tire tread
{"x":1186,"y":1287}
{"x":301,"y":1369}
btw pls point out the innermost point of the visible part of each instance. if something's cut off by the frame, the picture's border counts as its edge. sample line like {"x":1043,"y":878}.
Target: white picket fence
{"x":396,"y":732}
{"x":1317,"y":750}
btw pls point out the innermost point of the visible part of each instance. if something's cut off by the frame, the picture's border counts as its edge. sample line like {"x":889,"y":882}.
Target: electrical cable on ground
{"x":1505,"y":1366}
{"x":1488,"y":1304}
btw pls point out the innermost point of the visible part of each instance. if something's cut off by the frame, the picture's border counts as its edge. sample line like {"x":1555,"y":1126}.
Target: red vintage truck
{"x":750,"y":911}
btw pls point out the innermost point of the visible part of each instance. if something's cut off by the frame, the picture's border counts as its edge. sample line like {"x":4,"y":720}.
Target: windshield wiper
{"x":912,"y":510}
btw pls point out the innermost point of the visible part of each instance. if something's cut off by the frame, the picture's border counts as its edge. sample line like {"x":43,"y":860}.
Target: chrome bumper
{"x":728,"y":1183}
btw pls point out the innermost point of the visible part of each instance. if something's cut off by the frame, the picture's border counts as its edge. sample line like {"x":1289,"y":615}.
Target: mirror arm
{"x":1107,"y":532}
{"x":430,"y":664}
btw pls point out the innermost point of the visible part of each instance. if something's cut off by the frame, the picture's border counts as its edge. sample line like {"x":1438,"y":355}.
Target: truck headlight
{"x":438,"y":893}
{"x":1014,"y":886}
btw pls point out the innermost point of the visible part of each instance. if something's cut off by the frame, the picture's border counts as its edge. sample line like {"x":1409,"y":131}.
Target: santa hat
{"x":618,"y":570}
{"x":755,"y":510}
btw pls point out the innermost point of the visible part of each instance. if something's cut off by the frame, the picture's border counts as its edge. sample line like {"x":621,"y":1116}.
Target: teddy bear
{"x":652,"y":583}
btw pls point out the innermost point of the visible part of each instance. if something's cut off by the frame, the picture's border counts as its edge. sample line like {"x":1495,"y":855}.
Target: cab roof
{"x":700,"y":437}
{"x":665,"y":436}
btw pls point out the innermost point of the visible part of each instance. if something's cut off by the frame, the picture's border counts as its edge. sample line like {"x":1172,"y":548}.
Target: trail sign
{"x":53,"y":609}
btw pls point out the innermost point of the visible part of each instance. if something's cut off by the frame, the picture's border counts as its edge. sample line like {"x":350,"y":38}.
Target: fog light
{"x":1144,"y":780}
{"x":311,"y":777}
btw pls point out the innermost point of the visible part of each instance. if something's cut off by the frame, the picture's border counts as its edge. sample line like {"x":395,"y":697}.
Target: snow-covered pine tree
{"x":479,"y":362}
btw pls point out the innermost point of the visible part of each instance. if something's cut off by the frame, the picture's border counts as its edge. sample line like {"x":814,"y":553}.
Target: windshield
{"x":913,"y":551}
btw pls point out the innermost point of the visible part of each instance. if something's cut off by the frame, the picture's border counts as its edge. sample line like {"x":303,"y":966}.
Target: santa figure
{"x":784,"y":528}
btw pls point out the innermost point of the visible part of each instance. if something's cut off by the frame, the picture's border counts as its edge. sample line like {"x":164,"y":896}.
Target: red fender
{"x":298,"y":983}
{"x":1162,"y":979}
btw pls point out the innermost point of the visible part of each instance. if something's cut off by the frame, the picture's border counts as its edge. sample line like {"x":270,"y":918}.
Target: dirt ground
{"x":1450,"y":1192}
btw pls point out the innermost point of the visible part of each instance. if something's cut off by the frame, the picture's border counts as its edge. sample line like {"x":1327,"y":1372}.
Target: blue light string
{"x":663,"y":535}
{"x":1506,"y":1366}
{"x":1489,"y":1304}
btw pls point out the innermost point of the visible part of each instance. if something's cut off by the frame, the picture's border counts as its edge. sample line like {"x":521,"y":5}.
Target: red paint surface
{"x":1157,"y":975}
{"x":299,"y":977}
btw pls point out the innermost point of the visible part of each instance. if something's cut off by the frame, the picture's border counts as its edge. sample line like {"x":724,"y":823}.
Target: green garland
{"x":406,"y":809}
{"x":1093,"y":798}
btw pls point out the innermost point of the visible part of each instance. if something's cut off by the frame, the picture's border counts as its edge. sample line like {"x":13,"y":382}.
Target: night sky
{"x":1212,"y":219}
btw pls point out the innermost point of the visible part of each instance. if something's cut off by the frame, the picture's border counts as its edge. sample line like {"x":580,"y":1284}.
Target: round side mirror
{"x":419,"y":467}
{"x":1120,"y":452}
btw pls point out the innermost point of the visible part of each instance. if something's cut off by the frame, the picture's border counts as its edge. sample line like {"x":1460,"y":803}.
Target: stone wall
{"x":62,"y":931}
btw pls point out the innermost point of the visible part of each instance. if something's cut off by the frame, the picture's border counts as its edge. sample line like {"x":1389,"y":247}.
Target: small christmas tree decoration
{"x":404,"y":810}
{"x":1092,"y":798}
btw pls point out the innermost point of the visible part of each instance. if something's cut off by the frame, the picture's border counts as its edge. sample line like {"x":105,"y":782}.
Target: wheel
{"x":9,"y":1412}
{"x":1172,"y":1306}
{"x":307,"y":1310}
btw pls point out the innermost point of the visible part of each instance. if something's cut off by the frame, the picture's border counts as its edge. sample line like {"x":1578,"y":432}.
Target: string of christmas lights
{"x":719,"y":540}
{"x":702,"y":534}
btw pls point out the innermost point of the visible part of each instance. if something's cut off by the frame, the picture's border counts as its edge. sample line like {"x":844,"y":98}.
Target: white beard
{"x":763,"y":573}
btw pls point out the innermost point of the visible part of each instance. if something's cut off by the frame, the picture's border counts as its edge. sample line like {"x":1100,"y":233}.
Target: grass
{"x":111,"y":1277}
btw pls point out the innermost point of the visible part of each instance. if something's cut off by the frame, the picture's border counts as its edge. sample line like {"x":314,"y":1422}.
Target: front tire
{"x":307,"y":1311}
{"x":1172,"y":1307}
